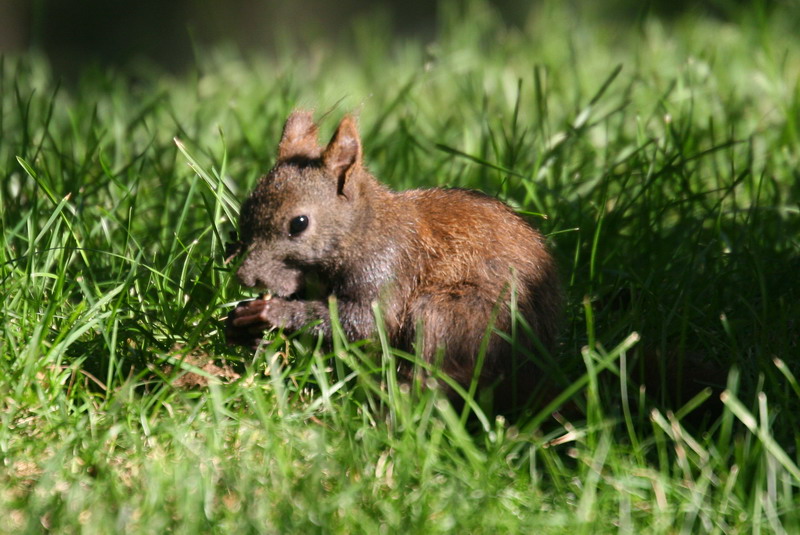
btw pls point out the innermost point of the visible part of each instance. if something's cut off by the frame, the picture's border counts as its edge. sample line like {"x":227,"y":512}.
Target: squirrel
{"x":442,"y":260}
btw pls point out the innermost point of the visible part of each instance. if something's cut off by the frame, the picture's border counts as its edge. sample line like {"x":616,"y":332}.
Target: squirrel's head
{"x":305,"y":213}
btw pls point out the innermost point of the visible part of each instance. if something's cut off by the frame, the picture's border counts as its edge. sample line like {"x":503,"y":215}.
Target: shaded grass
{"x":662,"y":160}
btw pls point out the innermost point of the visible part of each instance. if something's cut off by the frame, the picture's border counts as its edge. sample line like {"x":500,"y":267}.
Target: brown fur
{"x":444,"y":259}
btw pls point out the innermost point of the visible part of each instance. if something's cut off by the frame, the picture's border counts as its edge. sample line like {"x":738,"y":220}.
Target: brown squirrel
{"x":444,"y":260}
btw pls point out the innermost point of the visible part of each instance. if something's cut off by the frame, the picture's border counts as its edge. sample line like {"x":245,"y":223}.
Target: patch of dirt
{"x":223,"y":371}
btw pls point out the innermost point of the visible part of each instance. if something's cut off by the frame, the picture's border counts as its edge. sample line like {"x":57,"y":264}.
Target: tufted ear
{"x":342,"y":156}
{"x":299,"y":137}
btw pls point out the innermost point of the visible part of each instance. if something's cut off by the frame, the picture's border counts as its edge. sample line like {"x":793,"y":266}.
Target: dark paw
{"x":245,"y":324}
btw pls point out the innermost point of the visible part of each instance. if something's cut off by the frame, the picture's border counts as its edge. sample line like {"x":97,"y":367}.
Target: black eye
{"x":298,"y":225}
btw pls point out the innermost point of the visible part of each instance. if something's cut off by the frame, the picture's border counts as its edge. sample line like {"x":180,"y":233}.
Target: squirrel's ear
{"x":343,"y":153}
{"x":299,"y":137}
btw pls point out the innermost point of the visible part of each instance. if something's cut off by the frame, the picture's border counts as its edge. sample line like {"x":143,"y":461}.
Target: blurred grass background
{"x":74,"y":34}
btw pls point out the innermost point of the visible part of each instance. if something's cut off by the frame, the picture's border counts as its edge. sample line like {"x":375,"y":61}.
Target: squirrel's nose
{"x":247,"y":278}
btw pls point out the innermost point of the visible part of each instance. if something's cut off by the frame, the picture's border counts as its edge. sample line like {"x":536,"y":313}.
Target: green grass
{"x":665,"y":158}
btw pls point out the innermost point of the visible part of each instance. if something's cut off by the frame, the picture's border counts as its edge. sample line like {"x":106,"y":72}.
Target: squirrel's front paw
{"x":247,"y":322}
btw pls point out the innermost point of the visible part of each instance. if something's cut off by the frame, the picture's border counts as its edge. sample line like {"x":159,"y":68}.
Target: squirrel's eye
{"x":298,"y":225}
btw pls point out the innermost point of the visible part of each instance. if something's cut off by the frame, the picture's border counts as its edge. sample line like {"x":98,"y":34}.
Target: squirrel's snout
{"x":248,"y":277}
{"x":275,"y":277}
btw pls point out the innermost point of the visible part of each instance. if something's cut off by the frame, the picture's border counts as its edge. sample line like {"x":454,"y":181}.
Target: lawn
{"x":660,"y":157}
